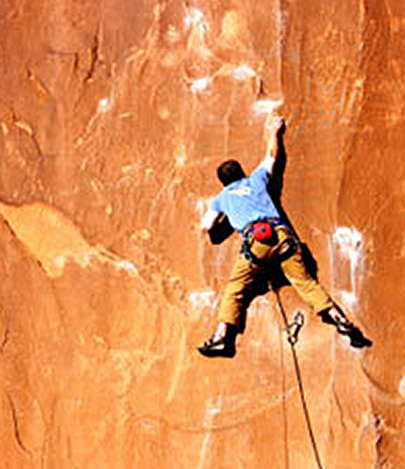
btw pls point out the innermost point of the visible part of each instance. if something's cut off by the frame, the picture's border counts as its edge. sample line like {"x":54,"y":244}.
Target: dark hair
{"x":230,"y":171}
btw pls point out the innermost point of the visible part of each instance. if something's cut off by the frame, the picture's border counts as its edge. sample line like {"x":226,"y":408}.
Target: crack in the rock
{"x":5,"y":340}
{"x":16,"y":427}
{"x":24,"y":126}
{"x":15,"y":236}
{"x":94,"y":59}
{"x":42,"y":88}
{"x":339,"y":407}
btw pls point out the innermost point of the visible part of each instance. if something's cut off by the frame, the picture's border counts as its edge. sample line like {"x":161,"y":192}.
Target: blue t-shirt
{"x":246,"y":200}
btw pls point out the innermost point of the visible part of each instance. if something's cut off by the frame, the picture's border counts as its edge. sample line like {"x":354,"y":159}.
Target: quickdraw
{"x":293,"y":329}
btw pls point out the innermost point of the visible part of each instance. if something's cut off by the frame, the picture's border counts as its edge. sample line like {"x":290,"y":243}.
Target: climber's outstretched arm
{"x":274,"y":145}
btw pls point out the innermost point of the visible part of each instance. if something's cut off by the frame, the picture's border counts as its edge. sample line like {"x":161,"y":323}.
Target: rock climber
{"x":268,"y":241}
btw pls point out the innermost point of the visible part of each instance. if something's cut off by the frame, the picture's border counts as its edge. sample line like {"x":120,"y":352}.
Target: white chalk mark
{"x":193,"y":17}
{"x":349,"y":298}
{"x":213,"y":409}
{"x":267,"y":106}
{"x":243,"y":72}
{"x":4,"y":128}
{"x":349,"y":243}
{"x":401,"y":386}
{"x":199,"y":85}
{"x":180,"y":155}
{"x":181,"y":358}
{"x":104,"y":105}
{"x":85,"y":260}
{"x":126,"y":266}
{"x":24,"y":126}
{"x":202,"y":299}
{"x":173,"y":35}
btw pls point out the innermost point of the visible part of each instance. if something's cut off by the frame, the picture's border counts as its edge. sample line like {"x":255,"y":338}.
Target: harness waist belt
{"x":272,"y":221}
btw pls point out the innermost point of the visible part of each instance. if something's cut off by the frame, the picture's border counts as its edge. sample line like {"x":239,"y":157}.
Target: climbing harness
{"x":265,"y":232}
{"x":292,"y":331}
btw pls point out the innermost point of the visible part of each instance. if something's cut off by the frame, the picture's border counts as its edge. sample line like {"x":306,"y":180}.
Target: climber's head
{"x":230,"y":171}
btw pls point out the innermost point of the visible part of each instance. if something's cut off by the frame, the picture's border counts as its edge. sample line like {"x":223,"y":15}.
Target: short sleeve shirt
{"x":246,"y":200}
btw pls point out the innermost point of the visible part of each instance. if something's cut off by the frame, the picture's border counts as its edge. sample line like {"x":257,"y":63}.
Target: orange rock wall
{"x":113,"y":118}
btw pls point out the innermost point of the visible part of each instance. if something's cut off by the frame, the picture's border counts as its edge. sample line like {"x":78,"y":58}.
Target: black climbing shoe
{"x":357,"y":338}
{"x":224,"y":347}
{"x":344,"y":327}
{"x":217,"y":348}
{"x":355,"y":335}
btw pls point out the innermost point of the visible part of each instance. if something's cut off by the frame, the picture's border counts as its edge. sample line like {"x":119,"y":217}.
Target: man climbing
{"x":268,"y":244}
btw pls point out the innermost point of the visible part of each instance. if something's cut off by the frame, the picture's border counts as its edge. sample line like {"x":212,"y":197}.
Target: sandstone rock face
{"x":113,"y":117}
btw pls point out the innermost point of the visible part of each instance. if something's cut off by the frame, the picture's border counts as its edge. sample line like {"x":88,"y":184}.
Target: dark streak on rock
{"x":261,"y":91}
{"x":61,"y":52}
{"x":76,"y":62}
{"x":339,"y":407}
{"x":17,"y":434}
{"x":94,"y":59}
{"x":5,"y":340}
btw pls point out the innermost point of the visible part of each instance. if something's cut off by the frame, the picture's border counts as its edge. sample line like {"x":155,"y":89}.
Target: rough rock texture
{"x":113,"y":117}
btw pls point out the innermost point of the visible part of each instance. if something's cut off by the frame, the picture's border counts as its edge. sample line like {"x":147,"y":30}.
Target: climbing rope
{"x":292,"y":331}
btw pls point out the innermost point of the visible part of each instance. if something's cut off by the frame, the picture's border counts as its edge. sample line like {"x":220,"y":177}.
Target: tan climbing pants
{"x":242,"y":286}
